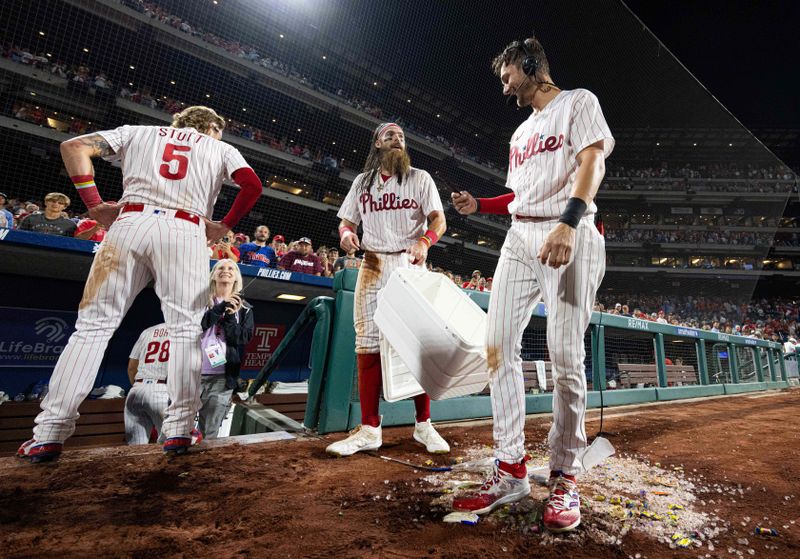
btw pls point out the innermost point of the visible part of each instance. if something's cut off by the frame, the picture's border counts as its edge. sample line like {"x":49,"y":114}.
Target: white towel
{"x":541,"y":375}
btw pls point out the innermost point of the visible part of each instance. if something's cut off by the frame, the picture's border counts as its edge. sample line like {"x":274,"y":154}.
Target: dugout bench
{"x":101,"y":423}
{"x":646,"y":374}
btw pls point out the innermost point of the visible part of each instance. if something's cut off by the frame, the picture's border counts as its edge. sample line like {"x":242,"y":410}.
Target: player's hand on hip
{"x":105,"y":213}
{"x":350,"y":242}
{"x":558,"y":246}
{"x":464,"y":203}
{"x":215,"y":230}
{"x":418,"y":253}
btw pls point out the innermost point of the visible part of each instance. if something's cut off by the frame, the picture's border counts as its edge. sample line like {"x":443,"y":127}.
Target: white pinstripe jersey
{"x":542,"y":163}
{"x":395,"y":216}
{"x":152,"y":352}
{"x":175,"y":168}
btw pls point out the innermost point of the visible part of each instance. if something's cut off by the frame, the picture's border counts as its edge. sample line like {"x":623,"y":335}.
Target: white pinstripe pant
{"x":144,"y":409}
{"x":139,"y":246}
{"x":372,"y":276}
{"x":520,"y":282}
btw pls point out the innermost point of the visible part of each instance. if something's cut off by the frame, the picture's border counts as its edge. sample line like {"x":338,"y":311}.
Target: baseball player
{"x":171,"y":178}
{"x":552,"y":251}
{"x":392,"y":201}
{"x":147,"y":370}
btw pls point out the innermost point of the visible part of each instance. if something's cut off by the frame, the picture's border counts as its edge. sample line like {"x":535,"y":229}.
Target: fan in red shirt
{"x":473,"y":282}
{"x":301,"y":259}
{"x":225,"y":249}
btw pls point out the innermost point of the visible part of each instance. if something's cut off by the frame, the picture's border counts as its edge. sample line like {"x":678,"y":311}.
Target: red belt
{"x":180,"y":214}
{"x":533,"y":218}
{"x":157,"y":382}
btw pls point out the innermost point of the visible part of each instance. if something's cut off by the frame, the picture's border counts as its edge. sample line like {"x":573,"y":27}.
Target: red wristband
{"x":432,"y":236}
{"x":344,"y":229}
{"x":87,"y":190}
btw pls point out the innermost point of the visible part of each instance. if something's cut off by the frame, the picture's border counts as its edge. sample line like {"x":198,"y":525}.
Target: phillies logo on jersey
{"x":536,"y":145}
{"x":259,"y":257}
{"x":387,"y":201}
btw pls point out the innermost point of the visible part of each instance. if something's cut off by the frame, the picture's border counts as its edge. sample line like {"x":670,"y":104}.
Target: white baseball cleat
{"x":363,"y":437}
{"x":426,"y":434}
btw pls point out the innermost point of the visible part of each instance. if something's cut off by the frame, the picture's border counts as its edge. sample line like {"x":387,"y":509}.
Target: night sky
{"x":745,"y":52}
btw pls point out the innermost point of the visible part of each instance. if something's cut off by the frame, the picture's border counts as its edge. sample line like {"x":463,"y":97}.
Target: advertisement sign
{"x":266,"y":339}
{"x":34,"y":337}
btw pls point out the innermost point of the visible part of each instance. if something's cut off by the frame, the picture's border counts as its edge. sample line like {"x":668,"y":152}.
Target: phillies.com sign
{"x":266,"y":339}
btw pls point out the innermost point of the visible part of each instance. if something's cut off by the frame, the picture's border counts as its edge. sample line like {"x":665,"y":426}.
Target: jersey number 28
{"x":171,"y":155}
{"x":157,"y":352}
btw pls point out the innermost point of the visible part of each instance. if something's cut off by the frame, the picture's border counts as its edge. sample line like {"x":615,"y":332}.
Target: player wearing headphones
{"x":553,"y":252}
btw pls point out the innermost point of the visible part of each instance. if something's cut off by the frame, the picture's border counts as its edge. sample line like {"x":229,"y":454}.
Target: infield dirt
{"x":288,"y":499}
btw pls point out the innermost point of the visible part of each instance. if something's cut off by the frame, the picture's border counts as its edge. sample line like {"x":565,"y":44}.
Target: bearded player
{"x":171,"y":176}
{"x":392,"y":201}
{"x":553,"y":252}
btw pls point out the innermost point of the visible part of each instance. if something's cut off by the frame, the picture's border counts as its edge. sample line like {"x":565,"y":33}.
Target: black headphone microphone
{"x":530,"y":64}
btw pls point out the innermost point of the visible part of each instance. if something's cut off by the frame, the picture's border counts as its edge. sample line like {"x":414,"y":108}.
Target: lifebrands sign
{"x":33,"y":337}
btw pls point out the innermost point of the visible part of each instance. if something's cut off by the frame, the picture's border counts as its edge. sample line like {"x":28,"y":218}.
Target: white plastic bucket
{"x":436,"y":331}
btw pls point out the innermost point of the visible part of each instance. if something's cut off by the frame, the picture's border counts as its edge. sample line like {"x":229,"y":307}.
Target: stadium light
{"x":281,"y":35}
{"x":290,"y":297}
{"x":132,"y":67}
{"x":694,"y":144}
{"x":374,"y":83}
{"x":299,"y":130}
{"x":658,"y":143}
{"x":324,"y":57}
{"x":41,"y":33}
{"x":208,"y":95}
{"x":172,"y":82}
{"x":85,"y":49}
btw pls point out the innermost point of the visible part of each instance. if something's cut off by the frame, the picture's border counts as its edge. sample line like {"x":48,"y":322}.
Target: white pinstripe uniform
{"x":174,"y":175}
{"x":148,"y":399}
{"x":394,"y":217}
{"x":542,"y":171}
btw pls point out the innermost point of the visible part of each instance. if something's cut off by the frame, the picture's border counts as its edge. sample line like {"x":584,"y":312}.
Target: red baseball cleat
{"x":507,"y":483}
{"x":175,"y":446}
{"x":38,"y":452}
{"x":562,"y":512}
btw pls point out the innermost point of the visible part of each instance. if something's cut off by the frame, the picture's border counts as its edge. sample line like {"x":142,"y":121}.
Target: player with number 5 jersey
{"x":171,"y":176}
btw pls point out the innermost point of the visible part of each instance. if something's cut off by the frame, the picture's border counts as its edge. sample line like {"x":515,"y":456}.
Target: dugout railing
{"x":632,"y":360}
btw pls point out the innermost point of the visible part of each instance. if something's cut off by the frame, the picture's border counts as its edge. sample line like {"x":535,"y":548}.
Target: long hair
{"x":198,"y":117}
{"x":212,"y":283}
{"x":372,"y":165}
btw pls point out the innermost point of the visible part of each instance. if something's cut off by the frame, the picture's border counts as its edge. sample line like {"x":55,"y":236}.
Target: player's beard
{"x":397,"y":162}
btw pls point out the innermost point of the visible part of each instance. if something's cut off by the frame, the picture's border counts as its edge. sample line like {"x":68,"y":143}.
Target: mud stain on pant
{"x":105,"y":262}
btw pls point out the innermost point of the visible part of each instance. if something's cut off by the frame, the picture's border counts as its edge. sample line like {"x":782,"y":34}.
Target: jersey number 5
{"x":169,"y":156}
{"x":157,"y":352}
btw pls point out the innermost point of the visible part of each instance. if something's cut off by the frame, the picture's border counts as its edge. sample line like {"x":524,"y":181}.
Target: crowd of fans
{"x":770,"y":319}
{"x":326,"y":160}
{"x":664,"y":170}
{"x":736,"y":238}
{"x":254,"y":55}
{"x":758,"y":179}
